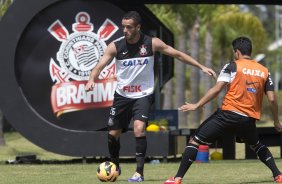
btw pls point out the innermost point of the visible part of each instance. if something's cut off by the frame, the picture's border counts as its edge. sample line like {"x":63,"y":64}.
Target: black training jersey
{"x":135,"y":67}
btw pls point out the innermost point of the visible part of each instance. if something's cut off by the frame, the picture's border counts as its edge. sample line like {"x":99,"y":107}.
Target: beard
{"x":131,"y":36}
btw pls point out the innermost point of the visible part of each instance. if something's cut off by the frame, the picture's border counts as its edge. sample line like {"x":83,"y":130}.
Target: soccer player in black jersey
{"x":246,"y":81}
{"x":134,"y":55}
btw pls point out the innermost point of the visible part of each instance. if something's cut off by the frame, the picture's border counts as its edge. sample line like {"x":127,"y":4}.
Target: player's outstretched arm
{"x":211,"y":94}
{"x":160,"y":46}
{"x":274,"y":109}
{"x":108,"y":56}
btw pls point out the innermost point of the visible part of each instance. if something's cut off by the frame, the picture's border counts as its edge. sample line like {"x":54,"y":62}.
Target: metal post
{"x":278,"y":35}
{"x":160,"y":75}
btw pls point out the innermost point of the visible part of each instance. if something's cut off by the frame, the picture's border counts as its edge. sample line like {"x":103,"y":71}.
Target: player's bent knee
{"x":139,"y":133}
{"x":115,"y":133}
{"x":192,"y":141}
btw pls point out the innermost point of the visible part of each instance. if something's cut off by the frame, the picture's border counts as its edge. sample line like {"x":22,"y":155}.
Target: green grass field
{"x":215,"y":172}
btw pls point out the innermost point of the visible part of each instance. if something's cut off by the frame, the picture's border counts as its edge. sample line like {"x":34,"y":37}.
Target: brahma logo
{"x":78,"y":54}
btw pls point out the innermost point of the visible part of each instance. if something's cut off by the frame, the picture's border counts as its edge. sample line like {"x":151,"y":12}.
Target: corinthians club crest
{"x":78,"y":54}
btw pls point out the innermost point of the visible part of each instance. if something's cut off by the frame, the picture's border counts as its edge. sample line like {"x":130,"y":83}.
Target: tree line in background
{"x":205,"y":31}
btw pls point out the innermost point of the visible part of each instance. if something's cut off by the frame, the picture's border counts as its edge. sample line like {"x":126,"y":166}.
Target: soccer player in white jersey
{"x":133,"y":97}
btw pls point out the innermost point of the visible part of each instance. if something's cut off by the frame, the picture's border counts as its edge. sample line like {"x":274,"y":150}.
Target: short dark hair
{"x":134,"y":15}
{"x":243,"y":44}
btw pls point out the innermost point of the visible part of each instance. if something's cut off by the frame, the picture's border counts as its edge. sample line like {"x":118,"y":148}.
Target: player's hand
{"x":278,"y":126}
{"x":89,"y":85}
{"x":209,"y":71}
{"x":188,"y":107}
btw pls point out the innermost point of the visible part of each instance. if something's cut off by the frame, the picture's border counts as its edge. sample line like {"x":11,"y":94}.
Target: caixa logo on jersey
{"x":79,"y":53}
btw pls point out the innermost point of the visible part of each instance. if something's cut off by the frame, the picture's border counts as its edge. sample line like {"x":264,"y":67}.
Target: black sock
{"x":114,"y":147}
{"x":141,"y":147}
{"x":266,"y":157}
{"x":188,"y":157}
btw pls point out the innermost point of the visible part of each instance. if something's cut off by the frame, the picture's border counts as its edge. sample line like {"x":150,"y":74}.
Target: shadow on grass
{"x":32,"y":159}
{"x":267,"y":181}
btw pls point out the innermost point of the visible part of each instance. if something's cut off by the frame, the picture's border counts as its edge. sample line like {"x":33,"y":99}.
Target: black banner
{"x":48,"y":49}
{"x":55,"y":56}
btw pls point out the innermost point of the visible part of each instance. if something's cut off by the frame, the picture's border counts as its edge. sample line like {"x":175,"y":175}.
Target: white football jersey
{"x":135,"y":67}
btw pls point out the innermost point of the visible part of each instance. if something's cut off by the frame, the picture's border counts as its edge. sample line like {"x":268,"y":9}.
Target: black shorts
{"x":126,"y":109}
{"x":227,"y":122}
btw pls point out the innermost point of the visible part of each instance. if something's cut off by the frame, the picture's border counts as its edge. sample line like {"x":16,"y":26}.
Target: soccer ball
{"x":107,"y":171}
